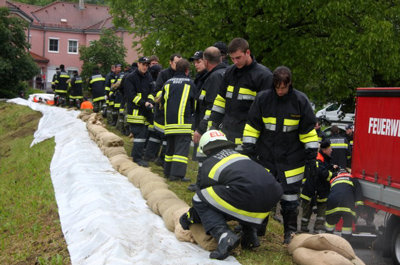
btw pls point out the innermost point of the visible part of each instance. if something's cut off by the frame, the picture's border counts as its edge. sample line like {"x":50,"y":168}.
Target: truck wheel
{"x":395,"y":246}
{"x":325,"y":123}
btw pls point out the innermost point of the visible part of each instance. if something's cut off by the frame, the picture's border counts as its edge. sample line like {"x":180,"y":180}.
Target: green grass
{"x":30,"y":231}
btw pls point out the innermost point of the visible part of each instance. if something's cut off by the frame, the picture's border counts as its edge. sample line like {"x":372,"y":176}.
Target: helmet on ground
{"x":214,"y":139}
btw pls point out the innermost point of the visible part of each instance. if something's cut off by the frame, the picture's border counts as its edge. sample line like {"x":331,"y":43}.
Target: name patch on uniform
{"x":295,"y":115}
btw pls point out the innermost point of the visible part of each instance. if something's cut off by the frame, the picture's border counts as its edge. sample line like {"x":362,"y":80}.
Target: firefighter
{"x":320,"y":133}
{"x":75,"y":90}
{"x":344,"y":202}
{"x":178,"y":101}
{"x":318,"y":186}
{"x":159,"y":118}
{"x":349,"y":136}
{"x":107,"y":112}
{"x":61,"y":86}
{"x":340,"y":148}
{"x":281,"y":121}
{"x":96,"y":86}
{"x":240,"y":85}
{"x":138,"y":90}
{"x":205,"y":100}
{"x":53,"y":82}
{"x":233,"y":187}
{"x":115,"y":94}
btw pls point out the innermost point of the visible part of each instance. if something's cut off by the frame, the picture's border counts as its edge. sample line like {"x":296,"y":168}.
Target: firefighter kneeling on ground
{"x":233,"y":187}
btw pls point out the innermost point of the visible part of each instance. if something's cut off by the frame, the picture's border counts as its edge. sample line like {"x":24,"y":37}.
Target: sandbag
{"x":296,"y":242}
{"x":330,"y":242}
{"x":168,"y":217}
{"x":357,"y":261}
{"x":205,"y":241}
{"x":305,"y":256}
{"x":150,"y":177}
{"x":139,"y":173}
{"x":164,"y":205}
{"x":127,"y":164}
{"x":113,"y":151}
{"x":111,"y":139}
{"x":181,"y":234}
{"x":95,"y":129}
{"x":151,"y":186}
{"x":156,"y":197}
{"x":118,"y":160}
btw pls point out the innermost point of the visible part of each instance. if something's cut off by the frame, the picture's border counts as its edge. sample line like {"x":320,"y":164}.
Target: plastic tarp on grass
{"x":103,"y":216}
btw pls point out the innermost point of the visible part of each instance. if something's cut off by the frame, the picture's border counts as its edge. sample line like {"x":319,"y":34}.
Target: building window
{"x":73,"y":46}
{"x":53,"y":45}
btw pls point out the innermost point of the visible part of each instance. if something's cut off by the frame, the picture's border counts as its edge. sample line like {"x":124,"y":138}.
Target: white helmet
{"x":213,"y":139}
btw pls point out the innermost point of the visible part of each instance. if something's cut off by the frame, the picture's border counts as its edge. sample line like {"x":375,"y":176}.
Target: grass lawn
{"x":30,"y":231}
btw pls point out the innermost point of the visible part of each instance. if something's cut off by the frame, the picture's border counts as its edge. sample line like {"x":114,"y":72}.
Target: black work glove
{"x":312,"y":168}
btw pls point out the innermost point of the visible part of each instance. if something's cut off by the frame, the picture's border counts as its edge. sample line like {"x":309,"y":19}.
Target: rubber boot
{"x":319,"y":226}
{"x":104,"y":110}
{"x":305,"y":218}
{"x":114,"y":119}
{"x":249,"y":238}
{"x":263,"y":229}
{"x":71,"y":103}
{"x":78,"y":104}
{"x":227,"y":241}
{"x":289,"y":225}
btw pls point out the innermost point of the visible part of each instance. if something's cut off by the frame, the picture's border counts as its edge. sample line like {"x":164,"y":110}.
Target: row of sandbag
{"x":154,"y":188}
{"x":322,"y":249}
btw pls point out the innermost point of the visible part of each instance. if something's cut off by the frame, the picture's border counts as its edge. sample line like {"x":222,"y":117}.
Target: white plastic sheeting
{"x":103,"y":216}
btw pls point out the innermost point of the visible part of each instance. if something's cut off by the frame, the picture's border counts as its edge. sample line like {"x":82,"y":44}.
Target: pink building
{"x":57,"y":30}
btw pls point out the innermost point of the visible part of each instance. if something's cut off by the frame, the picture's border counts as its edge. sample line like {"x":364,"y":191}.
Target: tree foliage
{"x":103,"y":53}
{"x":332,"y":47}
{"x":16,"y":64}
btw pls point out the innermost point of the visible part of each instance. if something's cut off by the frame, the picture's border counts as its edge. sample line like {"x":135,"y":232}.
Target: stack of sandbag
{"x":322,"y":249}
{"x":154,"y":188}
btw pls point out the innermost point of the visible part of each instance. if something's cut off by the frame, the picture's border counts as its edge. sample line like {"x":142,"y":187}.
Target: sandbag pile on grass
{"x":322,"y":249}
{"x":154,"y":188}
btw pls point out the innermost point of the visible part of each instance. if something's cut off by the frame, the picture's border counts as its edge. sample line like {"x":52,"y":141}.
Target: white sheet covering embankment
{"x":103,"y":216}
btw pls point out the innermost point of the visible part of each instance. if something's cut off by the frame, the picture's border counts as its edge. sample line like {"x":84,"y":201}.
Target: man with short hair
{"x":280,"y":133}
{"x":178,"y":102}
{"x":318,"y":186}
{"x":349,"y":136}
{"x":208,"y":92}
{"x":75,"y":90}
{"x":240,"y":85}
{"x":61,"y":86}
{"x":140,"y":98}
{"x":96,"y":86}
{"x":154,"y":60}
{"x":340,"y":147}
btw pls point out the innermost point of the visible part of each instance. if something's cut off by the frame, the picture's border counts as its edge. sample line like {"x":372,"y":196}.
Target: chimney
{"x":81,"y":4}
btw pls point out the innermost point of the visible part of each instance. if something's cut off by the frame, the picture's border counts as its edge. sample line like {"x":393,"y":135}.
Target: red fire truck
{"x":376,"y":158}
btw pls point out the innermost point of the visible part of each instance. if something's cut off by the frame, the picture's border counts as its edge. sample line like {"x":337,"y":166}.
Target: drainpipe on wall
{"x":81,"y":4}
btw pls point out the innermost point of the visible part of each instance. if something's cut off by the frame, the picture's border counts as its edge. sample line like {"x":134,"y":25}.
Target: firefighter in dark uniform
{"x":115,"y":95}
{"x":281,"y":122}
{"x":96,"y":86}
{"x":205,"y":100}
{"x":320,"y":187}
{"x":233,"y":187}
{"x":53,"y":82}
{"x":155,"y":137}
{"x":75,"y":90}
{"x":344,"y":201}
{"x":349,"y":136}
{"x":109,"y":96}
{"x":320,"y":133}
{"x":138,"y":90}
{"x":240,"y":85}
{"x":61,"y":86}
{"x":178,"y":101}
{"x":159,"y":118}
{"x":340,"y":148}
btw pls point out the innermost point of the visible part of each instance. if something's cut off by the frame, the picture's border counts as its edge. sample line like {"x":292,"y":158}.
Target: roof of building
{"x":38,"y":58}
{"x":65,"y":15}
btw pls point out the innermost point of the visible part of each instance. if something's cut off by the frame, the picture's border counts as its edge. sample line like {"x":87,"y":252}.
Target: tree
{"x":16,"y":64}
{"x":103,"y":53}
{"x":332,"y":47}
